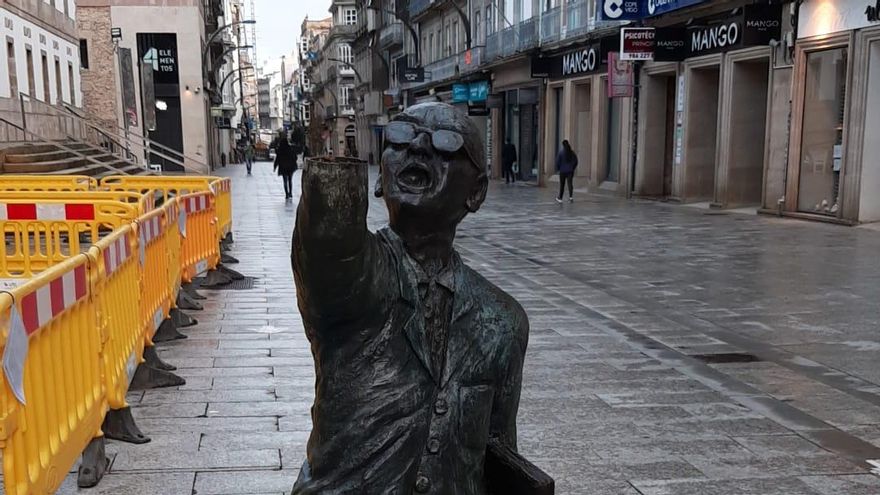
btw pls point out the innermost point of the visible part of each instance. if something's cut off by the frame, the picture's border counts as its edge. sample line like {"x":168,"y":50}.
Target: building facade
{"x":308,"y":104}
{"x":42,"y":54}
{"x":160,"y":47}
{"x":832,"y":171}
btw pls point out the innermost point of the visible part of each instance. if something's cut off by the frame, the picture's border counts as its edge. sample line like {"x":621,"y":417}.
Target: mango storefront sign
{"x":756,"y":26}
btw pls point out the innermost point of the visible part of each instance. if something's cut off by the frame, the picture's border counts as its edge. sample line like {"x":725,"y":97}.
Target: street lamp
{"x":220,"y":30}
{"x":350,"y":66}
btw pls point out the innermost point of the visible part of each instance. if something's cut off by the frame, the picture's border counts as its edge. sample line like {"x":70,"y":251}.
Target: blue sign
{"x":633,"y":10}
{"x":479,"y":91}
{"x":460,"y":93}
{"x":657,"y":7}
{"x":621,"y":10}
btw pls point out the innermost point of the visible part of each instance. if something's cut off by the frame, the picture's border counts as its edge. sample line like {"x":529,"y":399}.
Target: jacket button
{"x":441,"y":407}
{"x":423,"y":484}
{"x":434,"y":445}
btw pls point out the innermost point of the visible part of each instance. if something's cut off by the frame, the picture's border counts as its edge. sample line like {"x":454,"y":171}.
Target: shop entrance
{"x":869,"y":200}
{"x":702,"y":134}
{"x":581,"y":138}
{"x":659,"y":95}
{"x":748,"y":133}
{"x":822,"y":135}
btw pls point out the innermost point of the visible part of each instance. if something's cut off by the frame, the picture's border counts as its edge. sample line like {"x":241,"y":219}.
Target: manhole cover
{"x":729,"y":357}
{"x":246,"y":283}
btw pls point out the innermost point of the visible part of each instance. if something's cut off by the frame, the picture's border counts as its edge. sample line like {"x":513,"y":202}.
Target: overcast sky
{"x":279,"y":22}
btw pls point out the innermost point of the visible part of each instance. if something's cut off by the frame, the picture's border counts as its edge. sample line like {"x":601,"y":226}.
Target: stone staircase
{"x":79,"y":158}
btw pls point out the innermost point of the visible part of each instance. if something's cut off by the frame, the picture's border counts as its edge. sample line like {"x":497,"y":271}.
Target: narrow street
{"x":673,"y":350}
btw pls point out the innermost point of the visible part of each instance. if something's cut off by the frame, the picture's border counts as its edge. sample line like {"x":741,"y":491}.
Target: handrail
{"x":149,"y":144}
{"x":61,"y":146}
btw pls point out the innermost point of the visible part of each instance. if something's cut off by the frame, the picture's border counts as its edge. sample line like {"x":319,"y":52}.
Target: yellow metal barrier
{"x":116,"y":279}
{"x":173,"y":186}
{"x":159,"y":243}
{"x":144,"y":202}
{"x":47,"y":183}
{"x":199,"y":248}
{"x":41,"y":233}
{"x":174,"y":244}
{"x":61,"y":382}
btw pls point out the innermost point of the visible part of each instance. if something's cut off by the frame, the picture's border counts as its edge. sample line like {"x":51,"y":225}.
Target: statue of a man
{"x":418,"y":358}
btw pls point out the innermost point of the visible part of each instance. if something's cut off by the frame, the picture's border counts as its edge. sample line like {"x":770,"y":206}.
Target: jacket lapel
{"x":414,"y":327}
{"x":462,"y":335}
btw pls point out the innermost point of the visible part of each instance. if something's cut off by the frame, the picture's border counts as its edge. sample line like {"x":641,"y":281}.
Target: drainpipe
{"x":637,"y":67}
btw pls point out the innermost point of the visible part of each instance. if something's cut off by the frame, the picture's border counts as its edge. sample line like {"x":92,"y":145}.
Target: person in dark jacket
{"x":285,"y":163}
{"x":508,"y":158}
{"x":566,"y":164}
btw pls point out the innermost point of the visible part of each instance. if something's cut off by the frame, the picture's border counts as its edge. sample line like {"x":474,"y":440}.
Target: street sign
{"x":637,"y":43}
{"x":621,"y":79}
{"x":460,"y":92}
{"x":414,"y":74}
{"x":115,"y":34}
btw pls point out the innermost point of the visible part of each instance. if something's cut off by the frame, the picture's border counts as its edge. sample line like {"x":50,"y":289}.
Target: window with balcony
{"x":477,"y":35}
{"x":490,"y":27}
{"x":345,"y":54}
{"x":455,"y":47}
{"x":430,"y":57}
{"x":349,"y":16}
{"x":448,"y":48}
{"x":439,"y":53}
{"x":344,"y":97}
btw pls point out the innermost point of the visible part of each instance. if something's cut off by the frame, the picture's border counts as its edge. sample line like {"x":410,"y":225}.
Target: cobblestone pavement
{"x":673,"y":351}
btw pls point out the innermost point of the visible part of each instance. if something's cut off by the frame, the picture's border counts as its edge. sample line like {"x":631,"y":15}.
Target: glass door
{"x":822,"y":134}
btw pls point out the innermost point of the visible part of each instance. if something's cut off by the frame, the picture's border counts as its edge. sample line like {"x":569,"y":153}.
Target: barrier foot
{"x":153,"y":360}
{"x":228,"y":238}
{"x":146,"y":378}
{"x":229,"y":260}
{"x":94,"y":464}
{"x":229,"y":272}
{"x":186,"y":301}
{"x":119,"y":425}
{"x":168,"y":331}
{"x":190,"y":290}
{"x":181,"y":319}
{"x":215,"y":278}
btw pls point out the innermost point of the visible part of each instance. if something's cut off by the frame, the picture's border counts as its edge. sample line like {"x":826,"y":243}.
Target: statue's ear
{"x":478,"y":194}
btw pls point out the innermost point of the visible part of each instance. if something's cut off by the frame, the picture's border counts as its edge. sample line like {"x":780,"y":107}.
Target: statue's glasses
{"x":402,"y":133}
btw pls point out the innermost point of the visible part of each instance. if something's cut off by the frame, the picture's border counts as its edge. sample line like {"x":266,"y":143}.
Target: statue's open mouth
{"x":414,"y":178}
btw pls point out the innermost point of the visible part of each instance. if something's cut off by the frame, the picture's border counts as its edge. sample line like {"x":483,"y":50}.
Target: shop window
{"x":822,"y":133}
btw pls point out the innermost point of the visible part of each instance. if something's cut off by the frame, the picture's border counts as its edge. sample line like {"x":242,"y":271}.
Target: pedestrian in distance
{"x":285,"y":163}
{"x":249,"y":153}
{"x":566,"y":164}
{"x":508,"y":158}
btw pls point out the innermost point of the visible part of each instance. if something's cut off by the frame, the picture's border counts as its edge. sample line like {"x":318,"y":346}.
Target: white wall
{"x":820,"y":17}
{"x":187,"y":23}
{"x":869,"y":198}
{"x":14,"y":27}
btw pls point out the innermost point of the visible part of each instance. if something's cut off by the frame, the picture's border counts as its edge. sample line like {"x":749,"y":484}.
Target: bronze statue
{"x":418,"y":358}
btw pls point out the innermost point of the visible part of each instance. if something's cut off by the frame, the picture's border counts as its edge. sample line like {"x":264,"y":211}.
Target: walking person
{"x":285,"y":163}
{"x":249,"y":153}
{"x":566,"y":164}
{"x":508,"y":158}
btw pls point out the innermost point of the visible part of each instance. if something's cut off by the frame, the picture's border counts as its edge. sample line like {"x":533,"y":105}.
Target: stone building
{"x":168,"y":39}
{"x":42,"y":62}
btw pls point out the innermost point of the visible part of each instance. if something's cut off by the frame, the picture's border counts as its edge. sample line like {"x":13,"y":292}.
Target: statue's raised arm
{"x":338,"y":267}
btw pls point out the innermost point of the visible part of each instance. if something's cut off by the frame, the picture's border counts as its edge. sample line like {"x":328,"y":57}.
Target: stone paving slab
{"x":621,"y":296}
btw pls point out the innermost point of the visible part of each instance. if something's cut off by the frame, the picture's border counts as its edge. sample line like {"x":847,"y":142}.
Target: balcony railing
{"x":509,"y":41}
{"x":474,"y":61}
{"x":343,"y":30}
{"x":346,"y":110}
{"x":391,"y":36}
{"x":527,"y":34}
{"x":550,"y":25}
{"x":417,"y":7}
{"x":442,"y":69}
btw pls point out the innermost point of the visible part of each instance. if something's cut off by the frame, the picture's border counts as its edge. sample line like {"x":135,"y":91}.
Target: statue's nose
{"x":421,"y":143}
